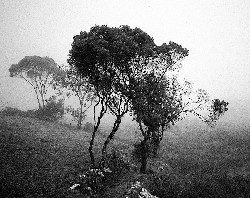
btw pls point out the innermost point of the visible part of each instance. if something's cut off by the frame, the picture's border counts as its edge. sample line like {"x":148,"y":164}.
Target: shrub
{"x":30,"y":113}
{"x":118,"y":162}
{"x":92,"y":182}
{"x":52,"y":111}
{"x":10,"y":111}
{"x":137,"y":190}
{"x":153,"y":149}
{"x":89,"y":127}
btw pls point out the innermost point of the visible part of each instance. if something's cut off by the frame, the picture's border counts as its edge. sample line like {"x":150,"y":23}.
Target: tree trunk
{"x":42,"y":97}
{"x":91,"y":154}
{"x":155,"y":142}
{"x":145,"y":148}
{"x":144,"y":155}
{"x":109,"y":138}
{"x":37,"y":97}
{"x":79,"y":124}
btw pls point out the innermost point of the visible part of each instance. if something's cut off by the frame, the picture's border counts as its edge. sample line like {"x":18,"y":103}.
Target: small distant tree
{"x":38,"y":72}
{"x":73,"y":83}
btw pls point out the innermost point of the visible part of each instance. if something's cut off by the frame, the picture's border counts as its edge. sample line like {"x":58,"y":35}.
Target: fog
{"x":215,"y":32}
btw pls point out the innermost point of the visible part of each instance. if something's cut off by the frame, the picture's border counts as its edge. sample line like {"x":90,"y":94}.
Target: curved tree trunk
{"x":145,"y":147}
{"x":91,"y":154}
{"x":109,"y":138}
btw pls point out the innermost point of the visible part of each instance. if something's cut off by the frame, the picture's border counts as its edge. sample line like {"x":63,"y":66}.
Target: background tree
{"x":38,"y":72}
{"x":72,"y":83}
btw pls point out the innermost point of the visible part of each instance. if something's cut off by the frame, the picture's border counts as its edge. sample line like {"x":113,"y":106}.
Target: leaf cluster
{"x":33,"y":67}
{"x":104,"y":54}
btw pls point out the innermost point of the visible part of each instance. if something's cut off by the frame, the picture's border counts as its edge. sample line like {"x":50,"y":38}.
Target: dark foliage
{"x":53,"y":110}
{"x":94,"y":182}
{"x":11,"y":111}
{"x":89,"y":127}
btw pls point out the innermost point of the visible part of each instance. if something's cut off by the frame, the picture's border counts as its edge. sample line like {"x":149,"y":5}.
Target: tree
{"x":71,"y":82}
{"x":103,"y":55}
{"x":129,"y":73}
{"x":155,"y":98}
{"x":159,"y":100}
{"x":118,"y":106}
{"x":38,"y":72}
{"x":103,"y":100}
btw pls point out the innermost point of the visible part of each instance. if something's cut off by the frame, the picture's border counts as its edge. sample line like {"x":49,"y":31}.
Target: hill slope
{"x":40,"y":159}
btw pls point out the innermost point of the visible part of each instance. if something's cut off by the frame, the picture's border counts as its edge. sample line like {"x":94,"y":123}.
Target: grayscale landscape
{"x":124,"y":99}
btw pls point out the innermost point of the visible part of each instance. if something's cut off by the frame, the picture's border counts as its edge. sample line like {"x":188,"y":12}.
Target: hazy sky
{"x":216,"y":32}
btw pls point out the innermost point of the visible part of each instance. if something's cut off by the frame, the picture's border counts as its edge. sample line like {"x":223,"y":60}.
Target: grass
{"x":43,"y":159}
{"x":214,"y":165}
{"x":39,"y":159}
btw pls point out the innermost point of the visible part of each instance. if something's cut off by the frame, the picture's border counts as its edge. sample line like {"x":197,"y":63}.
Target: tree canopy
{"x":38,"y":72}
{"x":103,"y":54}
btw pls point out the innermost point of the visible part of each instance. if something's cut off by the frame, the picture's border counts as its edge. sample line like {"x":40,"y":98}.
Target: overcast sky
{"x":216,"y":32}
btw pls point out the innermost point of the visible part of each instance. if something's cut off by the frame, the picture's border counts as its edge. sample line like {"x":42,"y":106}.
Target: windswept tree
{"x":129,"y":72}
{"x":159,"y":100}
{"x":102,"y":56}
{"x":38,"y":72}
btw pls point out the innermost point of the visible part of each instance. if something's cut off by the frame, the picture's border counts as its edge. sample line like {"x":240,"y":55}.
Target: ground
{"x":43,"y":159}
{"x":39,"y":158}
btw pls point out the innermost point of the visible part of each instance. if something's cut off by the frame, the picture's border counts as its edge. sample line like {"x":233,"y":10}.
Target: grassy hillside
{"x":40,"y":159}
{"x":43,"y":159}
